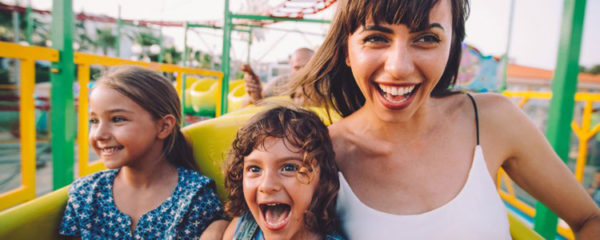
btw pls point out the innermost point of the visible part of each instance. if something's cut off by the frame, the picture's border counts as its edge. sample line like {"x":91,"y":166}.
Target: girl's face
{"x":395,"y":67}
{"x":122,"y":133}
{"x":274,"y":192}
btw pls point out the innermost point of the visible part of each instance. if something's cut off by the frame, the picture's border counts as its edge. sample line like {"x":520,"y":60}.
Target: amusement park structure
{"x":64,"y":133}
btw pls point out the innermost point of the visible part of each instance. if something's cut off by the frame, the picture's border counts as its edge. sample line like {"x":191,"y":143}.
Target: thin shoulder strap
{"x":476,"y":115}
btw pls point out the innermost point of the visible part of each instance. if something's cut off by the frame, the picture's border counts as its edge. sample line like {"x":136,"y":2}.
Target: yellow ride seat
{"x":203,"y":95}
{"x":210,"y":139}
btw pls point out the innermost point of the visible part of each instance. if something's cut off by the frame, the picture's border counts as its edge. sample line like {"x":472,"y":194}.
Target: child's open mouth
{"x":111,"y":150}
{"x":276,"y":215}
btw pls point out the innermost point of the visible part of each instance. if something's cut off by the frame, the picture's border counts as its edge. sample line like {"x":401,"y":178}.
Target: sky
{"x":534,"y":41}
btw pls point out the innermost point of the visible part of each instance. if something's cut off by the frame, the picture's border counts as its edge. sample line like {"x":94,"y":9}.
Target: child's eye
{"x":290,"y":168}
{"x":253,"y":169}
{"x":118,"y":119}
{"x":93,"y":121}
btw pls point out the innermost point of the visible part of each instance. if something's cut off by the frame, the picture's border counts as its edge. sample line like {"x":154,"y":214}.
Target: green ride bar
{"x":63,"y":107}
{"x":29,"y":29}
{"x":560,"y":113}
{"x":225,"y":65}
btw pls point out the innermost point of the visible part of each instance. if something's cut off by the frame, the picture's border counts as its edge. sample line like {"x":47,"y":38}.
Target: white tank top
{"x":477,"y":212}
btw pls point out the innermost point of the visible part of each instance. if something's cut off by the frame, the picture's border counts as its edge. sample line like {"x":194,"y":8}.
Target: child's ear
{"x":165,"y":126}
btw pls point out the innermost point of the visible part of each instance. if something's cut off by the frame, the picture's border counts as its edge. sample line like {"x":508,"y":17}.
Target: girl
{"x":152,"y":189}
{"x":282,"y":179}
{"x":417,"y":160}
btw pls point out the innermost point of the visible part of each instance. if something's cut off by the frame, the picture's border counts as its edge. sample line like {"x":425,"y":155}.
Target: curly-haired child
{"x":282,"y":179}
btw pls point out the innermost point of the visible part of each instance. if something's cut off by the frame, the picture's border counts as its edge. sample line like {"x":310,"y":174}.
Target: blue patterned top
{"x":92,"y":214}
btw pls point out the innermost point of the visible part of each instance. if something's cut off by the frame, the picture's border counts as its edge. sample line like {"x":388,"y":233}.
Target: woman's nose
{"x":270,"y":183}
{"x":399,"y":62}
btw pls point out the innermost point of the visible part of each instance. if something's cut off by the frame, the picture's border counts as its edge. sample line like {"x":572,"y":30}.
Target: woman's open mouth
{"x":396,"y":96}
{"x":275,"y":215}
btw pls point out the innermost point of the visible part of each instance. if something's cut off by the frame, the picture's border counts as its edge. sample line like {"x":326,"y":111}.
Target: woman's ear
{"x":165,"y":126}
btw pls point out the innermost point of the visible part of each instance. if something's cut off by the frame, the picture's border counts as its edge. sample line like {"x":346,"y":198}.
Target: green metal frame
{"x":118,"y":42}
{"x":29,"y":29}
{"x":63,"y":107}
{"x":564,"y":86}
{"x":506,"y":56}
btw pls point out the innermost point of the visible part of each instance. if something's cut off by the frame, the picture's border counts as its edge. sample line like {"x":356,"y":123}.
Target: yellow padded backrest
{"x":211,"y":140}
{"x":37,"y":219}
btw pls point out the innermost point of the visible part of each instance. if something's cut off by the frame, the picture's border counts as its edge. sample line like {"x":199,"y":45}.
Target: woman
{"x":417,"y":160}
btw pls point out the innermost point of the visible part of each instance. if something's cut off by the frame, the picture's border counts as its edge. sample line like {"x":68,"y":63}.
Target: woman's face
{"x":395,"y":67}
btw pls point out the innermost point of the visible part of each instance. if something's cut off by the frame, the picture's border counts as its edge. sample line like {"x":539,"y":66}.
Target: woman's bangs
{"x":414,"y":14}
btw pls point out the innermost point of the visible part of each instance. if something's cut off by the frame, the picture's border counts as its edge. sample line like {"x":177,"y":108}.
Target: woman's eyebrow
{"x":433,"y":25}
{"x":377,"y":28}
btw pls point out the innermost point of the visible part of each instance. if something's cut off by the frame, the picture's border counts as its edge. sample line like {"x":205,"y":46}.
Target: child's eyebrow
{"x":118,"y":110}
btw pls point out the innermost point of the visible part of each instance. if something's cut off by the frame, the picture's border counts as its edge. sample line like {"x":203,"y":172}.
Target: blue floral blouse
{"x":92,"y":214}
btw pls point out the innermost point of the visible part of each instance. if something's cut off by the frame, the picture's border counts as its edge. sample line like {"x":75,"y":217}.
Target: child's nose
{"x":100,"y":132}
{"x":270,"y":183}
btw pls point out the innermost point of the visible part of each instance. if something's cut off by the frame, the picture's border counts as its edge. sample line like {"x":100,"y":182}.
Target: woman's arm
{"x":531,"y":162}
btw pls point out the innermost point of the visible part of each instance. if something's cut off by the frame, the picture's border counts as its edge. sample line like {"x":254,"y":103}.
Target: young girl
{"x":151,"y":190}
{"x":282,"y":179}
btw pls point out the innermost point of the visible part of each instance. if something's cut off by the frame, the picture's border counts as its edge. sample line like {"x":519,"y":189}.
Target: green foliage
{"x":172,"y":56}
{"x":105,"y":39}
{"x":592,"y":70}
{"x":145,"y":37}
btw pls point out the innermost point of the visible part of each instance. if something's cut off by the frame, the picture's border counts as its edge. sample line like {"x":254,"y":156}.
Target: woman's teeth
{"x":397,"y":91}
{"x":397,"y":94}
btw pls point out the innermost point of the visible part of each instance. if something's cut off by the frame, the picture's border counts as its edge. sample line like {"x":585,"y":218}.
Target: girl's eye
{"x":93,"y":121}
{"x":290,"y":168}
{"x":375,"y":39}
{"x":118,"y":119}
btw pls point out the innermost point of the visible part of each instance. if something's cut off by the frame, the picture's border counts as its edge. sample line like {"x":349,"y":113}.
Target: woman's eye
{"x":428,"y":39}
{"x":375,"y":39}
{"x":290,"y":168}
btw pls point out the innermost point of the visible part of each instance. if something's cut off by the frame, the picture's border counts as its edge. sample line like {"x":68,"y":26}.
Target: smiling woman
{"x":417,"y":160}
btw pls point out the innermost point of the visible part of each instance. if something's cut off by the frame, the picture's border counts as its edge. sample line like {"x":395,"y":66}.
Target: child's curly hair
{"x":303,"y":130}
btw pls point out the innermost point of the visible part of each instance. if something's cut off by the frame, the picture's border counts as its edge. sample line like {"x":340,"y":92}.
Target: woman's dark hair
{"x":155,"y":94}
{"x":327,"y":79}
{"x":302,"y":130}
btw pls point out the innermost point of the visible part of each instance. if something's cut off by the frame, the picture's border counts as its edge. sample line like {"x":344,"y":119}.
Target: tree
{"x":105,"y":39}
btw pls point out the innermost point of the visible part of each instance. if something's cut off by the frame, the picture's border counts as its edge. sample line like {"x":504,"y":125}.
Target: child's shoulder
{"x":194,"y":178}
{"x":93,"y":182}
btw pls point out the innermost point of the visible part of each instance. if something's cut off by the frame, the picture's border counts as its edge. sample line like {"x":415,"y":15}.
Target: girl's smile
{"x":122,"y":132}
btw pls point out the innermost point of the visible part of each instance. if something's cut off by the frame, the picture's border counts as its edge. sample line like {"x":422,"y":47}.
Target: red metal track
{"x":296,"y":9}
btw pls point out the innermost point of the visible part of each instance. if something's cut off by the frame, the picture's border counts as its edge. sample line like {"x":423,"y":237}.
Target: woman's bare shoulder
{"x":338,"y":132}
{"x":496,"y":108}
